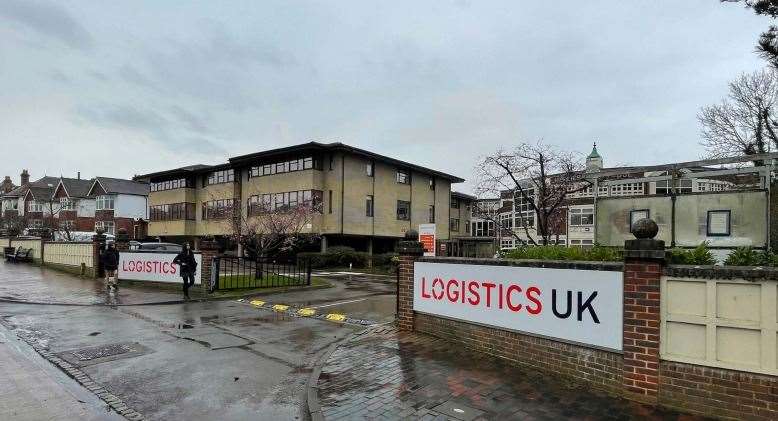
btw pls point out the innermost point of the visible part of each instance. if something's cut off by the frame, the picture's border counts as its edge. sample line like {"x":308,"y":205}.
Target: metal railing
{"x":242,"y":272}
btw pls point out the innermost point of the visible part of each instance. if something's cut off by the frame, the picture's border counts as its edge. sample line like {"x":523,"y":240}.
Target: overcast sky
{"x":120,"y":88}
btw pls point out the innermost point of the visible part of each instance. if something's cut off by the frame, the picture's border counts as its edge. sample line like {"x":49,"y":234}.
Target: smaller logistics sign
{"x":583,"y":306}
{"x":156,"y":267}
{"x":427,"y":238}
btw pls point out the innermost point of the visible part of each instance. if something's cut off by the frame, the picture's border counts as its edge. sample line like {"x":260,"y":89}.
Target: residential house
{"x":120,"y":204}
{"x":73,"y":209}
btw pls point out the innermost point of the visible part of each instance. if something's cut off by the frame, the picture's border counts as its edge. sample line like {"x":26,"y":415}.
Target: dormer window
{"x":67,"y":204}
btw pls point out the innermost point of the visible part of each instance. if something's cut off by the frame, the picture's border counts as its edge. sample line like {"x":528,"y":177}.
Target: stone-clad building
{"x":365,"y":200}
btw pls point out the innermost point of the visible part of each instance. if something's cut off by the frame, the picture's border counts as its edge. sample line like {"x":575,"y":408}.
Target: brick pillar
{"x":97,"y":244}
{"x":644,"y":258}
{"x":122,"y":242}
{"x":209,"y":249}
{"x":409,"y":251}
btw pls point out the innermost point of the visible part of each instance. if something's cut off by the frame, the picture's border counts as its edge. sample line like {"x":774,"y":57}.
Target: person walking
{"x":187,"y":267}
{"x":110,"y":260}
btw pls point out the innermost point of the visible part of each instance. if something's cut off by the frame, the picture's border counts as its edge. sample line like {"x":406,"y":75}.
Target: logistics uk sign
{"x":157,"y":267}
{"x":583,"y":306}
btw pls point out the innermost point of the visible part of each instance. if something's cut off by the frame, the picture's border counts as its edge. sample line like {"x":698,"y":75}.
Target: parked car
{"x":163,"y":247}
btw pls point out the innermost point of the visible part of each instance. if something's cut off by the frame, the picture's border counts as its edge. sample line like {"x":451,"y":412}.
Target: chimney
{"x":25,"y":178}
{"x":79,"y":175}
{"x":7,"y":185}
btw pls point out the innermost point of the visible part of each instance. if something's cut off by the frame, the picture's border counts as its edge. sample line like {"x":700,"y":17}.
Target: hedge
{"x":340,"y":256}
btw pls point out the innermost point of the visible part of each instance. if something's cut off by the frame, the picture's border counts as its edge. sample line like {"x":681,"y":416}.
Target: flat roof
{"x":338,"y":146}
{"x":241,"y":160}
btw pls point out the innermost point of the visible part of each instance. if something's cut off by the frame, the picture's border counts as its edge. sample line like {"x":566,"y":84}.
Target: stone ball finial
{"x":412,"y":235}
{"x":645,"y":228}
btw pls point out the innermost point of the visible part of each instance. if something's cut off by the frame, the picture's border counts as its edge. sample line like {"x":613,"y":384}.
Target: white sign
{"x":583,"y":306}
{"x":157,"y":267}
{"x":427,"y":238}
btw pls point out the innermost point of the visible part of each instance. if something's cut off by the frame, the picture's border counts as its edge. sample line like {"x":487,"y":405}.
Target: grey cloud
{"x":132,"y":75}
{"x":47,"y":19}
{"x":59,"y":76}
{"x":102,"y":77}
{"x":193,"y":122}
{"x":156,"y":126}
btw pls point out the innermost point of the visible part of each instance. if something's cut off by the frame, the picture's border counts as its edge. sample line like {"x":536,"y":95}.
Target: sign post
{"x":427,"y":238}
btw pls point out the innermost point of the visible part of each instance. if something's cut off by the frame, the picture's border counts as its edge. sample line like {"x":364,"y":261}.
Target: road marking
{"x":339,"y":303}
{"x":335,"y":317}
{"x":258,"y":303}
{"x":280,"y":307}
{"x":306,"y":312}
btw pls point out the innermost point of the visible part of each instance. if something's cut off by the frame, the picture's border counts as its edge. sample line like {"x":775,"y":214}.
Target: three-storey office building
{"x":362,"y":199}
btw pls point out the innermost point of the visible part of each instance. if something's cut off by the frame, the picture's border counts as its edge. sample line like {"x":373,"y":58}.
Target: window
{"x":36,"y":223}
{"x":636,"y":215}
{"x":172,"y":212}
{"x":683,"y":185}
{"x":483,"y":229}
{"x":329,"y":202}
{"x":719,"y":223}
{"x":109,"y":227}
{"x":581,"y":216}
{"x":431,"y":218}
{"x":523,"y":206}
{"x":34,"y":206}
{"x":217,"y":209}
{"x":292,"y":165}
{"x":506,"y":243}
{"x":453,"y":224}
{"x":178,"y":183}
{"x":627,"y":189}
{"x":66,"y":204}
{"x":403,"y":177}
{"x":67,"y":225}
{"x":370,"y":169}
{"x":467,"y":227}
{"x":369,"y":205}
{"x":104,"y":202}
{"x":403,"y":210}
{"x":219,"y":177}
{"x":432,"y":183}
{"x":271,"y":202}
{"x":454,"y":204}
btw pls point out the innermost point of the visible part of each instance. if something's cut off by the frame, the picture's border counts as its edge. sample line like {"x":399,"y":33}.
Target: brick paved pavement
{"x":386,"y":374}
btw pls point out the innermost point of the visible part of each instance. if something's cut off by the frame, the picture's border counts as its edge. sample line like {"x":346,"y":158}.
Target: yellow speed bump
{"x":335,"y":317}
{"x":306,"y":312}
{"x":258,"y":303}
{"x":280,"y":307}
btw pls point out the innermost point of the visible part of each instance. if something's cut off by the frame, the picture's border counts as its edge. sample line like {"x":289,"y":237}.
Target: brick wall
{"x":718,"y":392}
{"x":596,"y":368}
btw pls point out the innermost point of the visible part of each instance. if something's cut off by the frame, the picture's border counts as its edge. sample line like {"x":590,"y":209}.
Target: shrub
{"x":744,"y":256}
{"x":700,"y":255}
{"x":596,"y":253}
{"x":342,"y":256}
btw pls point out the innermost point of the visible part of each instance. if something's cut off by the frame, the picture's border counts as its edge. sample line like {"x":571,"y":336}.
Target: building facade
{"x":360,"y":199}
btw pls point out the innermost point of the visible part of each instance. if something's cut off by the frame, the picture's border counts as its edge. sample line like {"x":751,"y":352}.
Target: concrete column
{"x":323,"y":243}
{"x":644,"y":259}
{"x":409,"y":251}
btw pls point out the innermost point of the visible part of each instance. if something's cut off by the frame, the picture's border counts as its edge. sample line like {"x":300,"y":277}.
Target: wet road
{"x":200,"y":360}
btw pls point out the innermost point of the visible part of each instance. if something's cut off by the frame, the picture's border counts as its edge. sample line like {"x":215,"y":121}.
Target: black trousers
{"x":188,"y":279}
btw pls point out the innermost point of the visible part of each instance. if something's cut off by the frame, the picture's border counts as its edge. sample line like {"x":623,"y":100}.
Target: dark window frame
{"x":407,"y":205}
{"x":728,"y":212}
{"x":369,"y":205}
{"x":631,"y":212}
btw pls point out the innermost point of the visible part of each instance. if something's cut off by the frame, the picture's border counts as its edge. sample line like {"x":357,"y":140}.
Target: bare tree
{"x":51,"y":219}
{"x":266,"y":229}
{"x":743,"y":123}
{"x":12,"y":223}
{"x":538,"y":177}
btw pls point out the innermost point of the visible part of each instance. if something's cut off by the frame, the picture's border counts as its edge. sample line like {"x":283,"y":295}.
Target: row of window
{"x":217,"y":209}
{"x":299,"y":164}
{"x":453,"y":225}
{"x":172,"y":212}
{"x":172,"y":184}
{"x":262,"y":203}
{"x":219,"y":177}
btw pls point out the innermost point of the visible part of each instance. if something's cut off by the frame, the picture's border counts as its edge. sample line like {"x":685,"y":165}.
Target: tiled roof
{"x":122,"y":186}
{"x":76,"y":187}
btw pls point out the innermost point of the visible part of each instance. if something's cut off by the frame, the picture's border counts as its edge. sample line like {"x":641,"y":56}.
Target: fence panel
{"x":69,"y":254}
{"x":730,"y":323}
{"x":240,"y":272}
{"x":34,"y":244}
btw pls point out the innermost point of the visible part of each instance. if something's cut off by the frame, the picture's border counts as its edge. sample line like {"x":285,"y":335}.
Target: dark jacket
{"x":186,"y":262}
{"x":110,"y":259}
